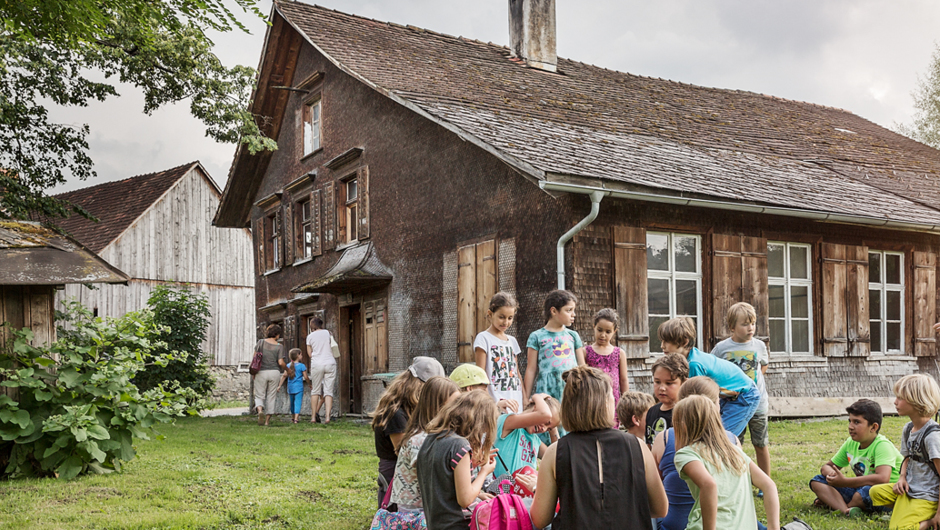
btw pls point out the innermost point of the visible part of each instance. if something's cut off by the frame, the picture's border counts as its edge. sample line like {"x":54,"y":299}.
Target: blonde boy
{"x":917,"y":490}
{"x":632,"y":410}
{"x":750,"y":355}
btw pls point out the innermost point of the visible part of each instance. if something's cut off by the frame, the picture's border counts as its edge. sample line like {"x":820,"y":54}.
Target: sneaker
{"x":760,"y":494}
{"x":855,"y":512}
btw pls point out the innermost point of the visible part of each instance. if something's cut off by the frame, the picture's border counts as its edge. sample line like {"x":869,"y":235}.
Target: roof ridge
{"x":114,"y":182}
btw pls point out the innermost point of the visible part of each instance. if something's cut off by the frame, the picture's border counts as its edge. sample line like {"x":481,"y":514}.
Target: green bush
{"x":185,"y":314}
{"x":74,"y":408}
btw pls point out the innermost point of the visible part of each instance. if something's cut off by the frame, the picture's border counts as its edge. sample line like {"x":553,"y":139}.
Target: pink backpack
{"x":505,"y":511}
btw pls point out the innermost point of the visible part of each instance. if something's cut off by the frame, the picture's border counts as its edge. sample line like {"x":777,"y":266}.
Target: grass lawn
{"x":229,"y":473}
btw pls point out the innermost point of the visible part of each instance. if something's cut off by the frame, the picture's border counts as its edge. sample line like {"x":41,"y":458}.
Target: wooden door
{"x":354,"y":360}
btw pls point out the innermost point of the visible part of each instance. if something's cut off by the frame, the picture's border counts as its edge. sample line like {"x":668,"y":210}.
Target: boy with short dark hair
{"x":739,"y":395}
{"x":750,"y":355}
{"x":669,"y":372}
{"x":872,"y":458}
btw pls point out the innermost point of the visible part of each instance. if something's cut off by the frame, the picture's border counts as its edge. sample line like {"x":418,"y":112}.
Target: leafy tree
{"x":926,"y":125}
{"x":83,"y":416}
{"x":184,"y":314}
{"x":49,"y":49}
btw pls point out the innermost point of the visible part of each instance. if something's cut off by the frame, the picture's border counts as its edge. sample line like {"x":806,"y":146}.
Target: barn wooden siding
{"x":174,"y":241}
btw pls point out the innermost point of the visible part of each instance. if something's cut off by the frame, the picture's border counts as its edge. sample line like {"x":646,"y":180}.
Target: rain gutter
{"x":596,"y":196}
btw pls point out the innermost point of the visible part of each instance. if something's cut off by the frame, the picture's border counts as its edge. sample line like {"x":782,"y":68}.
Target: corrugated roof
{"x":639,"y":131}
{"x":117,"y":205}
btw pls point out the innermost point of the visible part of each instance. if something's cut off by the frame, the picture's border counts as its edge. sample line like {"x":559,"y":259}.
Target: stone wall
{"x":230,"y":385}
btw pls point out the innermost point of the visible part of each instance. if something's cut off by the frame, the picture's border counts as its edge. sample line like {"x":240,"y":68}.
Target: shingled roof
{"x":632,"y":132}
{"x":117,"y":205}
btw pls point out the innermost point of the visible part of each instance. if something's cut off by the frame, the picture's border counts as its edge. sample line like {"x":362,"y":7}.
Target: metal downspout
{"x":596,"y":197}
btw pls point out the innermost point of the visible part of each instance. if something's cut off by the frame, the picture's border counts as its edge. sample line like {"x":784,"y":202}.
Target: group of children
{"x":445,"y":444}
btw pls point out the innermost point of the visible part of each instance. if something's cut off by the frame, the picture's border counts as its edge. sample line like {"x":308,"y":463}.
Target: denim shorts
{"x":848,"y":493}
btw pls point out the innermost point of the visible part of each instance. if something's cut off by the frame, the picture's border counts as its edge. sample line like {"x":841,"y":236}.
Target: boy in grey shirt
{"x":750,"y":355}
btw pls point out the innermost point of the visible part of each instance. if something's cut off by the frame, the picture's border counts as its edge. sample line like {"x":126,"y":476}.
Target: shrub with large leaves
{"x":71,"y":408}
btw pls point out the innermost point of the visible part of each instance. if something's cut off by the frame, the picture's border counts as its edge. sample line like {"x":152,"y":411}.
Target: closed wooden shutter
{"x":371,"y":353}
{"x":630,"y":290}
{"x":290,"y":243}
{"x":476,"y":285}
{"x":315,"y":223}
{"x":845,"y":312}
{"x":364,"y":203}
{"x":925,"y":303}
{"x":339,"y":200}
{"x":260,"y":242}
{"x":739,"y":274}
{"x":329,"y":216}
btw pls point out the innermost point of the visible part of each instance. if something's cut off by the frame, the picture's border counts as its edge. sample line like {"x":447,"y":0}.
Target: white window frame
{"x":352,"y":221}
{"x":883,"y":287}
{"x":312,"y":127}
{"x":672,"y":275}
{"x":273,"y":240}
{"x":305,"y":224}
{"x":787,"y":282}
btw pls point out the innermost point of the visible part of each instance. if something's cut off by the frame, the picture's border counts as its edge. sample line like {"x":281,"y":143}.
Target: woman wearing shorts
{"x":322,"y":371}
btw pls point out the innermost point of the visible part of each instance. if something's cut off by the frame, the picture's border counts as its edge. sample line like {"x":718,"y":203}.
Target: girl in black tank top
{"x":601,"y":477}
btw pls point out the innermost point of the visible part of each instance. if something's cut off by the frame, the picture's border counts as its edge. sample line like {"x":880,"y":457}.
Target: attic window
{"x":844,"y":130}
{"x":312,"y":127}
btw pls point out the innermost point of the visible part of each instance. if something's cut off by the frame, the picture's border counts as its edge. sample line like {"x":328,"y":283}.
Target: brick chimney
{"x":532,"y":33}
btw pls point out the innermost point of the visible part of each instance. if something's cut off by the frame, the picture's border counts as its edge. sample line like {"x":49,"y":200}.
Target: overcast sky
{"x":861,"y":55}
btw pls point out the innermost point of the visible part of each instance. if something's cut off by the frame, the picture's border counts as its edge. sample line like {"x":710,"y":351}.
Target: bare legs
{"x":316,"y":402}
{"x":763,"y":459}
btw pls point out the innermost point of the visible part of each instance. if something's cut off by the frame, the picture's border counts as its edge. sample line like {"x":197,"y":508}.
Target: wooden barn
{"x":418,"y":173}
{"x":34,"y":263}
{"x":158,"y":228}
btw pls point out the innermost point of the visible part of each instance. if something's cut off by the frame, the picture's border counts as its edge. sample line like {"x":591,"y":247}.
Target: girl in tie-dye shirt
{"x":553,"y":349}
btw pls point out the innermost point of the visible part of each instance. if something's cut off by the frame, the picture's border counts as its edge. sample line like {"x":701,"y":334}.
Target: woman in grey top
{"x":267,"y":378}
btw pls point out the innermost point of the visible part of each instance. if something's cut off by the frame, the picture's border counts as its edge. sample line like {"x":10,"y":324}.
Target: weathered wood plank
{"x":925,"y":304}
{"x":466,"y":302}
{"x":630,"y":290}
{"x":486,"y":281}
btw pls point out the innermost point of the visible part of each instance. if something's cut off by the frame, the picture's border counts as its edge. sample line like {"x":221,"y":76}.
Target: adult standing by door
{"x":322,"y":371}
{"x":268,"y":376}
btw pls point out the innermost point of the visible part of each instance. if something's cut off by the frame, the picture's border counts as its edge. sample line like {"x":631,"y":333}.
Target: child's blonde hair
{"x":700,"y":385}
{"x":633,"y":404}
{"x":553,"y":405}
{"x":921,"y":391}
{"x":434,"y":394}
{"x":698,"y":423}
{"x":584,"y":401}
{"x":471,"y":415}
{"x":738,"y":311}
{"x":401,"y":394}
{"x":679,"y":331}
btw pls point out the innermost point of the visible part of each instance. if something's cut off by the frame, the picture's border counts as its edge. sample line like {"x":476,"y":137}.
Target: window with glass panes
{"x":352,"y":215}
{"x":674,"y":281}
{"x":789,"y":275}
{"x":273,"y":242}
{"x":306,"y":229}
{"x":886,"y":301}
{"x":311,"y":127}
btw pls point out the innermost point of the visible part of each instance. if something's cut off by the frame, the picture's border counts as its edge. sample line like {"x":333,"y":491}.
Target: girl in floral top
{"x":607,"y":357}
{"x":435,"y":393}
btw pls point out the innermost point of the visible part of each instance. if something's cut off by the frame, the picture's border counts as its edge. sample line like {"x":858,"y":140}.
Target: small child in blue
{"x":295,"y":375}
{"x":740,"y":397}
{"x":517,"y":434}
{"x":552,"y":350}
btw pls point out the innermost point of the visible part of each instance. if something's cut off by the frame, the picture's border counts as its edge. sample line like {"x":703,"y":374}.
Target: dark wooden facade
{"x":451,"y":222}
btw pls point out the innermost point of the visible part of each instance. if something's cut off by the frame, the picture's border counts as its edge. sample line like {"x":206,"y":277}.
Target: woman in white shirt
{"x":322,"y":371}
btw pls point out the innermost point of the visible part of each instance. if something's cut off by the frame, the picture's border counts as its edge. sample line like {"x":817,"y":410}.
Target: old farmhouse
{"x":419,"y":173}
{"x":158,"y":228}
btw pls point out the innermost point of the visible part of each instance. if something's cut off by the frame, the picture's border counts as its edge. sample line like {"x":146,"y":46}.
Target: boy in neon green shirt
{"x":871,"y":457}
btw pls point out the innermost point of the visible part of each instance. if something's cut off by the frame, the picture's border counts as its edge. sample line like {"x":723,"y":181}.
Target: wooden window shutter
{"x":315,"y":222}
{"x":925,"y":303}
{"x":290,"y":243}
{"x":466,"y":302}
{"x":339,"y":200}
{"x":845,"y":317}
{"x":739,"y":274}
{"x":363,"y":202}
{"x":630,"y":290}
{"x":259,"y":235}
{"x":476,"y":284}
{"x":329,"y":216}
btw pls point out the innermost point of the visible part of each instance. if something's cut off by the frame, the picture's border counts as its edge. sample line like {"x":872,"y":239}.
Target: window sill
{"x":301,"y":262}
{"x":344,"y":246}
{"x":780,"y":358}
{"x":272,"y":271}
{"x":311,"y":155}
{"x":891,"y":357}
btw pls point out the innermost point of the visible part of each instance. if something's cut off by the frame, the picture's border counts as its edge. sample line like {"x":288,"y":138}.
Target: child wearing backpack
{"x":295,"y":375}
{"x":458,"y":439}
{"x":917,"y":490}
{"x":518,"y":442}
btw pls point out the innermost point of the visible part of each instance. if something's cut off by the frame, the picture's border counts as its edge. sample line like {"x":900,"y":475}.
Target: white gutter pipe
{"x":739,"y":207}
{"x":596,"y":196}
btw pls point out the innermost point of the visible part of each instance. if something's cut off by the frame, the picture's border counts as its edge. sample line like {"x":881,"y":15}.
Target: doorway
{"x":350,"y":361}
